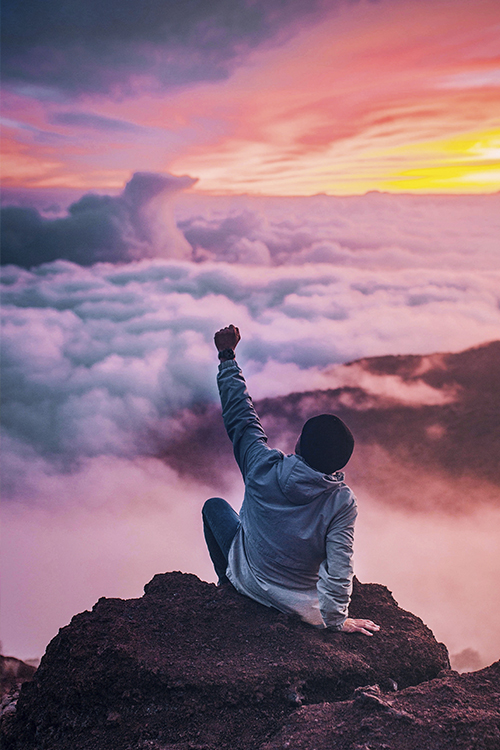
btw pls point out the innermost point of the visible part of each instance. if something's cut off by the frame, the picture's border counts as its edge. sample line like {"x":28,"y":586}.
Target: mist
{"x":126,"y":522}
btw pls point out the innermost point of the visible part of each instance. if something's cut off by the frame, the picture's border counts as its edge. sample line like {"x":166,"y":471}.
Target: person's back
{"x":291,"y":546}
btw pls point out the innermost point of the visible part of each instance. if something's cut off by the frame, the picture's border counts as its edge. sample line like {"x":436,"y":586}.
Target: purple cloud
{"x":99,"y":47}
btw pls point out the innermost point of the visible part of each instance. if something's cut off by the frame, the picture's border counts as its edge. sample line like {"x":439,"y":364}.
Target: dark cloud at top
{"x":93,"y":46}
{"x":98,"y":227}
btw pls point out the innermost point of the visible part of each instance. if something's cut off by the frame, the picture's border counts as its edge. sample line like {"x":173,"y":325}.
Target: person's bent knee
{"x":212,"y":504}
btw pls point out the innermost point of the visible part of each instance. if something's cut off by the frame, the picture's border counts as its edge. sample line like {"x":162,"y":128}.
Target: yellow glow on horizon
{"x":460,"y":179}
{"x":466,"y":163}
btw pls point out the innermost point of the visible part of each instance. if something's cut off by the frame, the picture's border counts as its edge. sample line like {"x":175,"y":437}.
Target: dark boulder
{"x":192,"y":666}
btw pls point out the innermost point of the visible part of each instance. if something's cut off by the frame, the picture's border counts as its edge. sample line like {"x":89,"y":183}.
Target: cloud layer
{"x":155,"y":217}
{"x":377,"y":230}
{"x":105,"y":360}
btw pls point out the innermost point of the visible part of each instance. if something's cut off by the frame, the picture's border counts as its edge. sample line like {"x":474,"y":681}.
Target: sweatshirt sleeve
{"x":240,"y":418}
{"x":336,"y":571}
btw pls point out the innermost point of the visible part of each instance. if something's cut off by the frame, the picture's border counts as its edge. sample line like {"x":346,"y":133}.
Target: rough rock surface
{"x":190,"y":666}
{"x":451,"y":712}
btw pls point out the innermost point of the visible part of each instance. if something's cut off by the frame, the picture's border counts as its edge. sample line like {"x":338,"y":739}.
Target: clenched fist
{"x":227,"y":338}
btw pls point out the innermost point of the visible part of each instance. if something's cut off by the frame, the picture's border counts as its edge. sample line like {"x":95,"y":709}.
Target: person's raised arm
{"x":240,"y":418}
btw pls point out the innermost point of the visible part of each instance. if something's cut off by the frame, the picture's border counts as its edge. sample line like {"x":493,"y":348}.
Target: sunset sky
{"x":270,"y":98}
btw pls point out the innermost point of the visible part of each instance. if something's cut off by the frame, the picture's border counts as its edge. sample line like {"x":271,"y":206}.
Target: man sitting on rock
{"x":291,"y":546}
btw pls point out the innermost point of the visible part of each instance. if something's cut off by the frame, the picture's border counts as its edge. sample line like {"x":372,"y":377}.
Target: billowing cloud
{"x":139,"y":223}
{"x":112,"y":359}
{"x":108,"y":47}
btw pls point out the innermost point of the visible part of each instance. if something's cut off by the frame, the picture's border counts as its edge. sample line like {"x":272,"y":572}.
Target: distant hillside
{"x":426,"y":427}
{"x":456,"y":441}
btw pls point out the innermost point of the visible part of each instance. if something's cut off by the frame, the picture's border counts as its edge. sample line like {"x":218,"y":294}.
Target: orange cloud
{"x":336,"y":109}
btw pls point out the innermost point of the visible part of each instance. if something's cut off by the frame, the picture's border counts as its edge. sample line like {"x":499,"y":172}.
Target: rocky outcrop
{"x":192,"y":666}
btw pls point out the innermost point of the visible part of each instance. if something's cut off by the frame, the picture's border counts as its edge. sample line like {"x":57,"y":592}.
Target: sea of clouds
{"x":109,"y":312}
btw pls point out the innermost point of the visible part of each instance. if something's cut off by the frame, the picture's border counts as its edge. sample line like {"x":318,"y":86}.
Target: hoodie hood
{"x":301,"y":484}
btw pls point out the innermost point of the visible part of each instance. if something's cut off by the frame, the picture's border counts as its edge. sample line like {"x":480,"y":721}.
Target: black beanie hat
{"x":326,"y":443}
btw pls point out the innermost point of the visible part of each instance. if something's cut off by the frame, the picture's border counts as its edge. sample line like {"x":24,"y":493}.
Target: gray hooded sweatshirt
{"x":293,"y":549}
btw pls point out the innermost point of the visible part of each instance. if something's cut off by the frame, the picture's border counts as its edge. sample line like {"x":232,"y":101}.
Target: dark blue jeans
{"x":220,"y":524}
